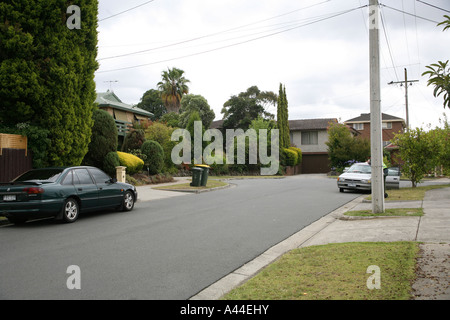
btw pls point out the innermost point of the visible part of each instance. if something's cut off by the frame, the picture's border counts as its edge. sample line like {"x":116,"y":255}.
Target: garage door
{"x":315,"y":163}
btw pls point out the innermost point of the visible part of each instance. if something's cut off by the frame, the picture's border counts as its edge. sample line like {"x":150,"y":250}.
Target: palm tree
{"x":172,"y":88}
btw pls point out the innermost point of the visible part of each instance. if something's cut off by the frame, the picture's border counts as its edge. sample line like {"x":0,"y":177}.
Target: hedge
{"x":290,"y":157}
{"x":133,"y":163}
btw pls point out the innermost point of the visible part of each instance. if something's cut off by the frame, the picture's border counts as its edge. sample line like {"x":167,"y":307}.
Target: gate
{"x":14,"y":156}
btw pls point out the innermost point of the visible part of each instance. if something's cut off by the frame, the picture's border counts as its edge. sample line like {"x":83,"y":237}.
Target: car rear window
{"x":43,"y":175}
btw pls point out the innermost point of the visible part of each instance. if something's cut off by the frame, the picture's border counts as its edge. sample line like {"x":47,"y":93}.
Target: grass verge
{"x":417,"y":193}
{"x":186,"y":186}
{"x":335,"y":272}
{"x":398,"y":212}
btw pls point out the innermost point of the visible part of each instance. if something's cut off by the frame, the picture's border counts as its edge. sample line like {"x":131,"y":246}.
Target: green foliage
{"x":299,"y":154}
{"x":282,"y":118}
{"x":191,"y":103}
{"x":239,"y":111}
{"x":439,"y":77}
{"x":343,"y":147}
{"x":38,"y":141}
{"x":133,"y":140}
{"x":152,"y":102}
{"x":47,"y":73}
{"x":134,"y":164}
{"x":418,"y":151}
{"x":103,"y":140}
{"x":289,"y":157}
{"x":162,"y":134}
{"x":154,"y":156}
{"x":439,"y":73}
{"x":110,"y":163}
{"x":172,"y":119}
{"x":172,"y":87}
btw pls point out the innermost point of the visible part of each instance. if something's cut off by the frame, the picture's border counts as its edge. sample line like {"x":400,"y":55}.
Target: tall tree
{"x":240,"y":110}
{"x":283,"y":118}
{"x":172,"y":87}
{"x":191,"y":103}
{"x":47,"y":72}
{"x":152,"y":102}
{"x":439,"y":73}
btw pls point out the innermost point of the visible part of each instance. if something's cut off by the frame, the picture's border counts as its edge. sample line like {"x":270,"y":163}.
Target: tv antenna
{"x":110,"y":83}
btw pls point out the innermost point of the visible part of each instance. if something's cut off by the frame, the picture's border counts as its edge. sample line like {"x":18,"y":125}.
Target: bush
{"x":103,"y":139}
{"x":162,"y":134}
{"x":154,"y":156}
{"x":133,"y":140}
{"x":290,"y":157}
{"x":133,"y":163}
{"x":110,"y":163}
{"x":299,"y":154}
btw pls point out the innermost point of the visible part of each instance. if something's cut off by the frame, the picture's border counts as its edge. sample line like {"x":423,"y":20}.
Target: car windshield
{"x":41,"y":175}
{"x":359,"y":168}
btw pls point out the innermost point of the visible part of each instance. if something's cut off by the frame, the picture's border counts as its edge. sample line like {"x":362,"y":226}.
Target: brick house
{"x":311,"y":135}
{"x":391,"y":125}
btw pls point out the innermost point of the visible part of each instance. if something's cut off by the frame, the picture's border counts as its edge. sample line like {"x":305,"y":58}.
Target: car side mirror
{"x":112,"y":180}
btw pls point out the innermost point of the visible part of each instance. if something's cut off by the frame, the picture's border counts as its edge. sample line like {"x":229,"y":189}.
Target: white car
{"x":358,"y":176}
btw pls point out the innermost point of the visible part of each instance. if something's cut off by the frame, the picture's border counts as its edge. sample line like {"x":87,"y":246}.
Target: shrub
{"x":110,"y":163}
{"x":299,"y":154}
{"x":133,"y":163}
{"x":162,"y":134}
{"x":103,"y":139}
{"x":290,"y":157}
{"x":154,"y":156}
{"x":133,"y":140}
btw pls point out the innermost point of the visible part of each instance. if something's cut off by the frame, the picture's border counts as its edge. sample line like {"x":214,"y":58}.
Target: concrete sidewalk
{"x":432,"y":230}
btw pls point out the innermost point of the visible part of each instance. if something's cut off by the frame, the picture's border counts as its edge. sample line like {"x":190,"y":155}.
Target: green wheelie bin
{"x":196,"y":176}
{"x":205,"y":175}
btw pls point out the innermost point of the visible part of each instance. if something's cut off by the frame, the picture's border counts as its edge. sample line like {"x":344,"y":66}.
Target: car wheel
{"x":341,"y":189}
{"x":71,"y":210}
{"x":128,"y":201}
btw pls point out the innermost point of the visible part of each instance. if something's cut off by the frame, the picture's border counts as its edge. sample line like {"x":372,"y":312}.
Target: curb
{"x":229,"y":185}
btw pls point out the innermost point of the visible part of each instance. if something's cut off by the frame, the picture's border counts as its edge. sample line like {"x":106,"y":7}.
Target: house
{"x":391,"y":125}
{"x":311,"y":135}
{"x":124,"y":114}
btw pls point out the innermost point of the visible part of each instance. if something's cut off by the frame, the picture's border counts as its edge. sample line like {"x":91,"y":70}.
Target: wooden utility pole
{"x":376,"y":141}
{"x":406,"y":94}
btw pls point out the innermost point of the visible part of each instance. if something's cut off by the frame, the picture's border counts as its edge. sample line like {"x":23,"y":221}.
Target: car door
{"x":393,"y":178}
{"x":86,"y":189}
{"x":109,"y":194}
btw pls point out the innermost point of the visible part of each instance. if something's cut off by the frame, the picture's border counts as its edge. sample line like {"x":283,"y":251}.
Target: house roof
{"x":310,"y":124}
{"x":365,"y":117}
{"x":109,"y":99}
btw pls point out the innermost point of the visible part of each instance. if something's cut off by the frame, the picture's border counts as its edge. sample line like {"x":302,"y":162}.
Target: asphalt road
{"x":164,"y":249}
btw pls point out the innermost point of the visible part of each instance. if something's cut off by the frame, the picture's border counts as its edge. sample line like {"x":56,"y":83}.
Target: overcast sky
{"x":318,"y":49}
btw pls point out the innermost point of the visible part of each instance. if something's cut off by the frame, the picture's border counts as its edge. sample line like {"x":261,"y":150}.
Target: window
{"x":358,"y":126}
{"x":67,"y":179}
{"x":99,"y":176}
{"x":310,"y":137}
{"x":81,"y":176}
{"x":387,"y":125}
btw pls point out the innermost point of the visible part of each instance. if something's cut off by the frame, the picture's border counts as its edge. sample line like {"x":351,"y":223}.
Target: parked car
{"x":358,"y":177}
{"x":63,"y":193}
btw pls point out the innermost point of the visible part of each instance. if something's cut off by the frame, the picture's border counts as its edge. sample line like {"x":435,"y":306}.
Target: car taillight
{"x":33,"y":190}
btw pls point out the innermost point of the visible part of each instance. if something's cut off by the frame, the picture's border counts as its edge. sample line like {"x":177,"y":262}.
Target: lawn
{"x":400,"y":212}
{"x":417,"y":193}
{"x":211,"y":183}
{"x":335,"y":272}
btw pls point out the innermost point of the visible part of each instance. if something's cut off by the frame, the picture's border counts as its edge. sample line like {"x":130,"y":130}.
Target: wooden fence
{"x":14,"y":156}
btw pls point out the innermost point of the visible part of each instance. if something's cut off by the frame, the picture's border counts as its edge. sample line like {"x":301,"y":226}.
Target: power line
{"x":410,"y":14}
{"x":387,"y":41}
{"x":211,"y":34}
{"x":429,"y":4}
{"x":234,"y":44}
{"x":115,"y":15}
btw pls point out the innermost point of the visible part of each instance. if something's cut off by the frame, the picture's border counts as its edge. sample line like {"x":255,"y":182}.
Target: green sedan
{"x":63,"y":193}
